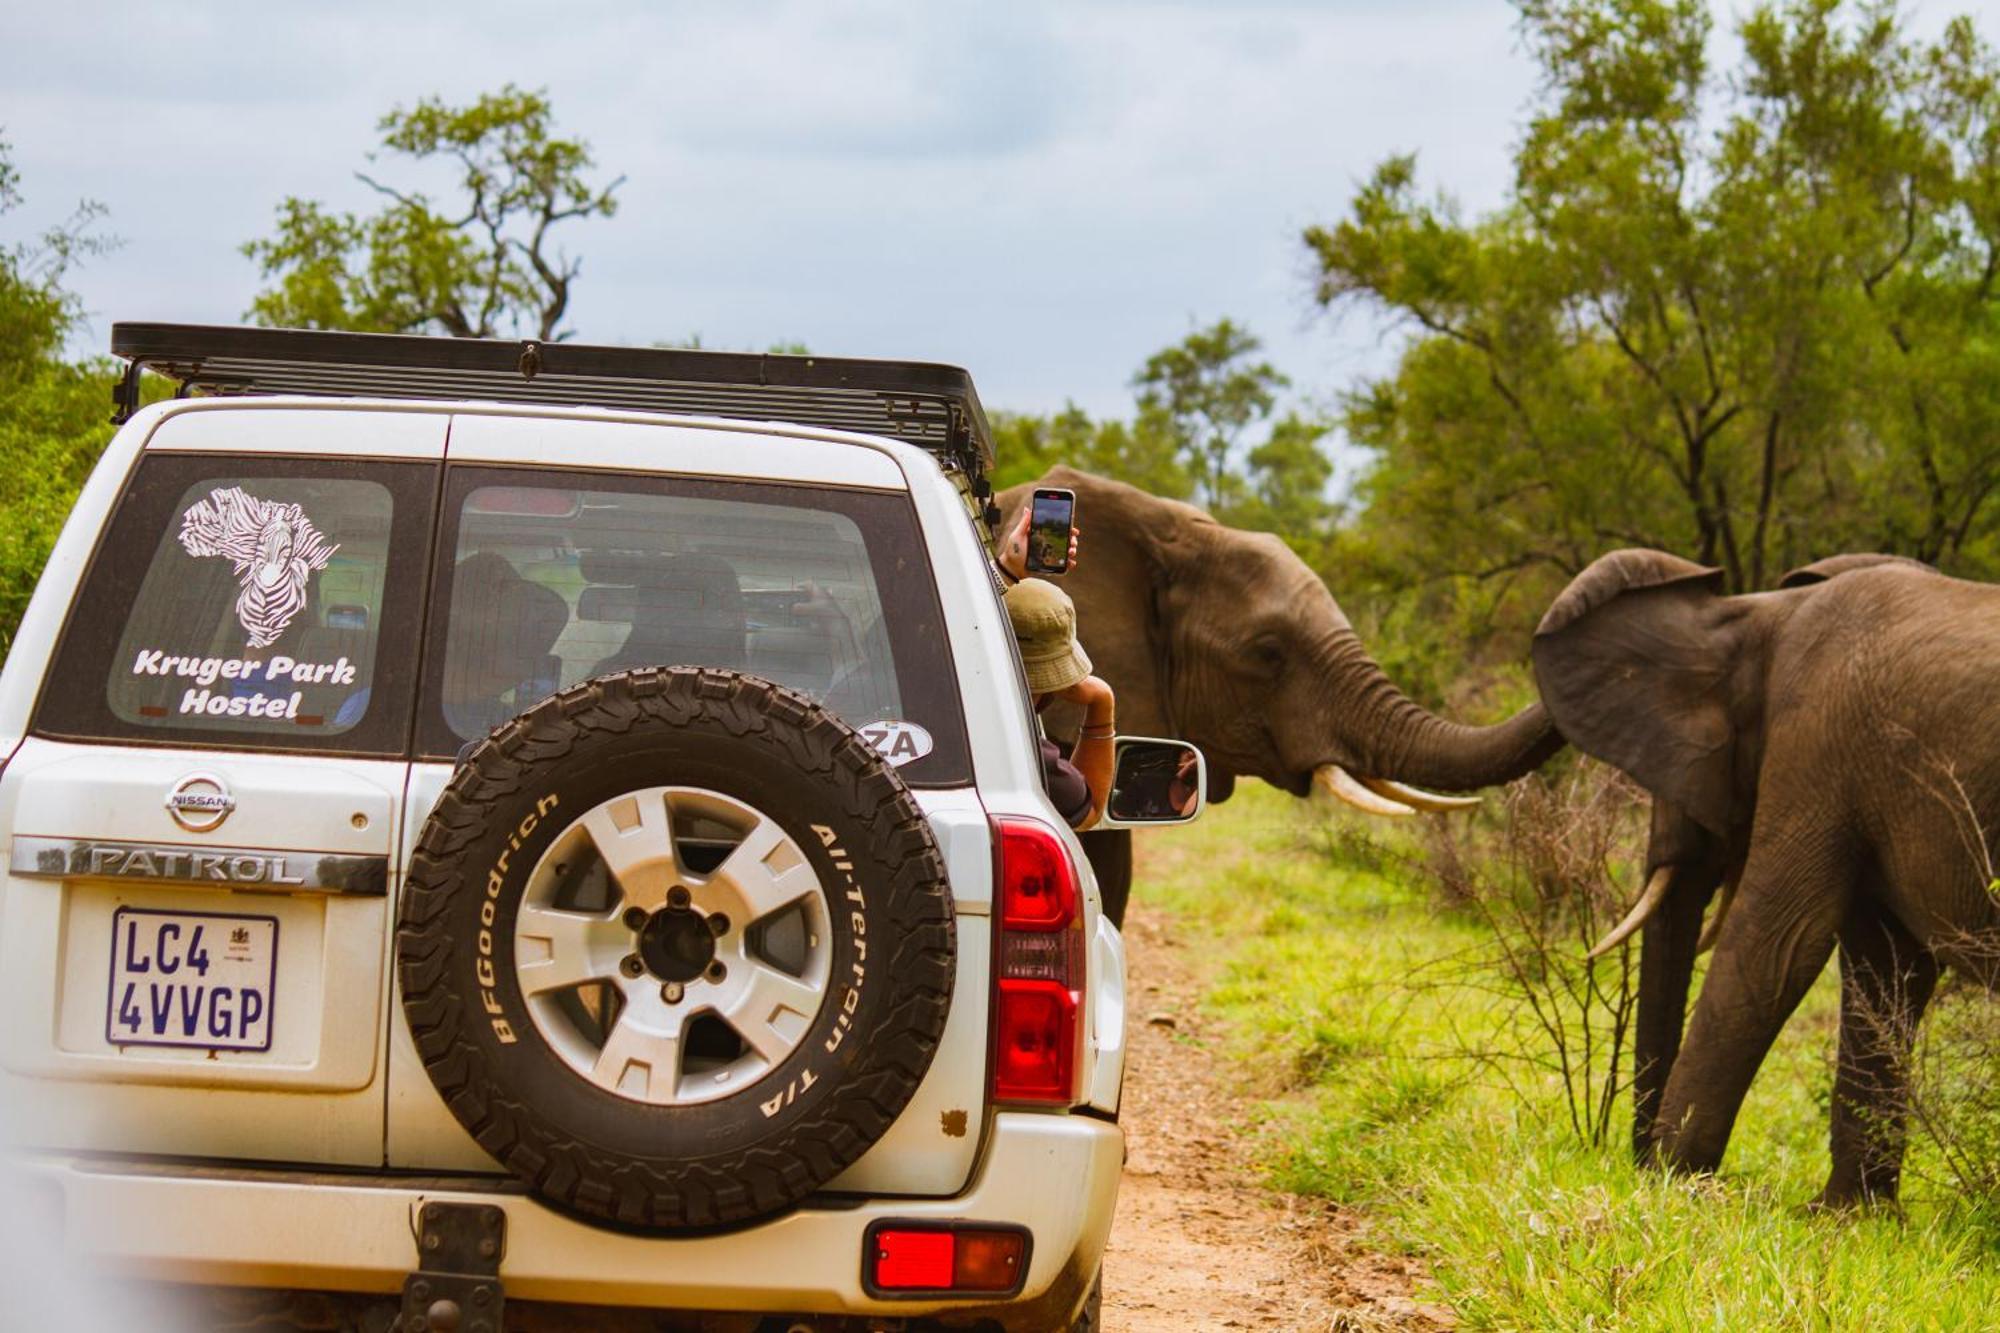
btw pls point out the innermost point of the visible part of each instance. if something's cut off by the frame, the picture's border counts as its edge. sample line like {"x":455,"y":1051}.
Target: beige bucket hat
{"x":1044,"y":621}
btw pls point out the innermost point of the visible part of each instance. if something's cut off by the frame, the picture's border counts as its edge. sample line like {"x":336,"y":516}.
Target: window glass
{"x":555,"y":578}
{"x":245,"y":601}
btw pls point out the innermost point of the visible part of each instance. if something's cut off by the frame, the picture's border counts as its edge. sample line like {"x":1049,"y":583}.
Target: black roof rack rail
{"x":934,"y":406}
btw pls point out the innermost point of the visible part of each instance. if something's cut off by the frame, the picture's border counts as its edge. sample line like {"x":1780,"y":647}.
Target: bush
{"x":1948,"y":1101}
{"x":53,"y":425}
{"x":53,"y":415}
{"x":1542,"y":879}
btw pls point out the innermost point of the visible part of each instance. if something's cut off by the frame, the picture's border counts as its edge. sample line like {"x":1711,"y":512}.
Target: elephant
{"x":1685,"y":865}
{"x":1829,"y":748}
{"x":1226,"y":639}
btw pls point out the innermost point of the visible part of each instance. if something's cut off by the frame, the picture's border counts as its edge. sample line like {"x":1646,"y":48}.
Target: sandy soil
{"x":1197,"y":1244}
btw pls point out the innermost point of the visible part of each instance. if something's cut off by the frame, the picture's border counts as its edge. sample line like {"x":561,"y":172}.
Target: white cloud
{"x":1043,"y":192}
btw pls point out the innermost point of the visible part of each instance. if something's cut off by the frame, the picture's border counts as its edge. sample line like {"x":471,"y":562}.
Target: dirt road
{"x":1197,"y":1244}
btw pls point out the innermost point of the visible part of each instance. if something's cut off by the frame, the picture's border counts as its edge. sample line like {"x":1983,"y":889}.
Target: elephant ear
{"x":1637,"y":661}
{"x":1819,"y":571}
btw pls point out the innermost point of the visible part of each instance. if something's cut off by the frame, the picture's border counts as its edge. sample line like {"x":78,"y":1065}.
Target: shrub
{"x":1542,"y":878}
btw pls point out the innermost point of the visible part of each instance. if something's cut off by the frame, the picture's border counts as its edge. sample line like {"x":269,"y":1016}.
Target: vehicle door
{"x":194,"y":923}
{"x":653,"y":544}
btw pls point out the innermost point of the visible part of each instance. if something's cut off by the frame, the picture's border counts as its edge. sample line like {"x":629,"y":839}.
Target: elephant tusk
{"x":1338,"y":782}
{"x":1712,"y":932}
{"x":1649,"y":901}
{"x":1419,"y":798}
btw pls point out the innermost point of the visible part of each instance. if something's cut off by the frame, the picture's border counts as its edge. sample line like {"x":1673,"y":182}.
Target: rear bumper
{"x":1055,"y":1175}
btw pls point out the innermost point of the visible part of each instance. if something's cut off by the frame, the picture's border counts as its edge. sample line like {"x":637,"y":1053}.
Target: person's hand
{"x":1013,"y":555}
{"x":821,"y":614}
{"x":818,"y":605}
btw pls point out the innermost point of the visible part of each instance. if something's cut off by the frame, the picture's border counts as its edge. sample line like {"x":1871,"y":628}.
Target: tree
{"x":1750,"y":319}
{"x":1199,"y":399}
{"x":54,"y":415}
{"x":1288,"y":477}
{"x":1143,"y":452}
{"x":1207,"y":392}
{"x":481,"y":266}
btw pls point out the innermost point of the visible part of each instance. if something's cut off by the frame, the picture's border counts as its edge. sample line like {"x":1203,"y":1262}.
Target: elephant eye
{"x":1267,"y":652}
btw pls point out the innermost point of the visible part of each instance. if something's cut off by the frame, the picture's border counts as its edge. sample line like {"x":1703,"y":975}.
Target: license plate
{"x":204,"y":979}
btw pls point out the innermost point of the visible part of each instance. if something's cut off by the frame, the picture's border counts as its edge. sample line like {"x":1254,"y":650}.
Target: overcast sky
{"x":1044,"y":193}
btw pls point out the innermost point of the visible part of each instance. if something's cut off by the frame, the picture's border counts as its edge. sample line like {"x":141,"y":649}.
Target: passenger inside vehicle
{"x":497,"y":651}
{"x":686,"y":610}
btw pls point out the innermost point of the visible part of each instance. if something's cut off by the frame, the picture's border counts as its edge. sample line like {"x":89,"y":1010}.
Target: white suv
{"x":489,"y":823}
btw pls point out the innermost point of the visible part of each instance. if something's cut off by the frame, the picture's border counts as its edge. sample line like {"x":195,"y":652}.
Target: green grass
{"x":1352,"y":1038}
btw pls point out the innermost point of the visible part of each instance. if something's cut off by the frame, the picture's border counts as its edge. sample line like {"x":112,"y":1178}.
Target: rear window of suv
{"x":548,"y":577}
{"x":271,"y":602}
{"x":251,"y":601}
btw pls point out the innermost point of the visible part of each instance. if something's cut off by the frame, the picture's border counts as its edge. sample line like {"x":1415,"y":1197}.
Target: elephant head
{"x":1644,"y":664}
{"x":1227,"y":639}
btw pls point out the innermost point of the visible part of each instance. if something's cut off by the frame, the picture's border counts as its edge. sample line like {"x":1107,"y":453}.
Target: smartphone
{"x":1052,"y":514}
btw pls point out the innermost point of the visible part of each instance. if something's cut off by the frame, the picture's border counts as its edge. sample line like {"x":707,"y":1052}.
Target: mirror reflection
{"x":1155,"y":782}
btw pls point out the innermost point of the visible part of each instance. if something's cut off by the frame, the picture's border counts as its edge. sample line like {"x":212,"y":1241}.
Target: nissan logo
{"x":200,"y":802}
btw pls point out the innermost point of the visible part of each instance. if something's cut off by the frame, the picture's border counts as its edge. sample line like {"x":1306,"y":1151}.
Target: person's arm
{"x":1095,"y":749}
{"x":820,"y":612}
{"x":1013,"y":556}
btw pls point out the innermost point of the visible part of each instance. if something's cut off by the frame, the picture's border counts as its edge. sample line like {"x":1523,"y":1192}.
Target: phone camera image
{"x":1051,"y":517}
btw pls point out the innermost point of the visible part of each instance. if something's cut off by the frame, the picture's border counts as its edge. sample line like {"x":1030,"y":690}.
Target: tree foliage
{"x":54,"y":415}
{"x":1749,"y":318}
{"x":1142,"y":451}
{"x":479,"y":265}
{"x":1199,"y":403}
{"x":1206,"y":392}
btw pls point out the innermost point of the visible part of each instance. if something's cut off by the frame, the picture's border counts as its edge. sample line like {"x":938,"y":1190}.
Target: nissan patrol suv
{"x":505,"y":835}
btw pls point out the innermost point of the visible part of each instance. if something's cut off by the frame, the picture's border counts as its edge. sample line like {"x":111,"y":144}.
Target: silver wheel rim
{"x":603,"y":944}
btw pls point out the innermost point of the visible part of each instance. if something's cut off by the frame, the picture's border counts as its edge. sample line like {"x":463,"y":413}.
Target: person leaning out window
{"x":1044,"y":621}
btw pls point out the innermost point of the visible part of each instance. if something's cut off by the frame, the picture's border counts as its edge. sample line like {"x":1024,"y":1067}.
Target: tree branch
{"x":1869,"y":283}
{"x":1767,"y":487}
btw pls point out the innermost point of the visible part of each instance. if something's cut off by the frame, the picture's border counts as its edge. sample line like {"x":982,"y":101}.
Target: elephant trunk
{"x":1394,"y":737}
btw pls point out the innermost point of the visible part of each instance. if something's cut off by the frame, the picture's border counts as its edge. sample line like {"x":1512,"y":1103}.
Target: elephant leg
{"x":1788,"y":911}
{"x":1666,"y":966}
{"x":1110,"y":853}
{"x":1886,"y":980}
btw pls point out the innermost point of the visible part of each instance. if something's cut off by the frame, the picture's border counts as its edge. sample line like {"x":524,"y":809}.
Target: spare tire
{"x":676,"y":947}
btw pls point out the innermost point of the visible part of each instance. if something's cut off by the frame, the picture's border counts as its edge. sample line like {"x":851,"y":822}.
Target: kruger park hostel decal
{"x":275,"y":550}
{"x":274,"y":547}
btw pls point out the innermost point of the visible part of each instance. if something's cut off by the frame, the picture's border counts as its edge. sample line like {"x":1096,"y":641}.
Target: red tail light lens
{"x":918,"y":1258}
{"x":1037,"y":883}
{"x":1034,"y":1056}
{"x":1038,"y":967}
{"x":913,"y":1260}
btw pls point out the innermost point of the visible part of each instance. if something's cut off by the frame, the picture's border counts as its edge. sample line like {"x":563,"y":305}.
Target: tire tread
{"x":878,"y":1079}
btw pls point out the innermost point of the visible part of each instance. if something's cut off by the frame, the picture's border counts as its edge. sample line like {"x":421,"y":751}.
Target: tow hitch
{"x":456,"y":1288}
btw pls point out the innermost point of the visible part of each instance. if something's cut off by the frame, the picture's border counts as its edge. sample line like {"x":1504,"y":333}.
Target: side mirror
{"x":1154,"y":782}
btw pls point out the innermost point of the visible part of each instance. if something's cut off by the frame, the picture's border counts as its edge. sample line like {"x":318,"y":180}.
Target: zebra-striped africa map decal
{"x":274,"y":547}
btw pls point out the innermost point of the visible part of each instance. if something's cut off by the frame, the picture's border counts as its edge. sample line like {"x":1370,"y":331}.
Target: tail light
{"x":1038,"y":972}
{"x":901,"y":1259}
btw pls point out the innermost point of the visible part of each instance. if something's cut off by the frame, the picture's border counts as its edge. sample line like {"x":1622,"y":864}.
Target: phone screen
{"x":1054,"y":512}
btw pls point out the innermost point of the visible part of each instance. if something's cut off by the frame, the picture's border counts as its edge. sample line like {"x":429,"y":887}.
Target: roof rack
{"x":934,"y":406}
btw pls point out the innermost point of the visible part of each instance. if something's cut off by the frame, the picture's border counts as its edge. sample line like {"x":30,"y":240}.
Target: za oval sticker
{"x":898,"y":742}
